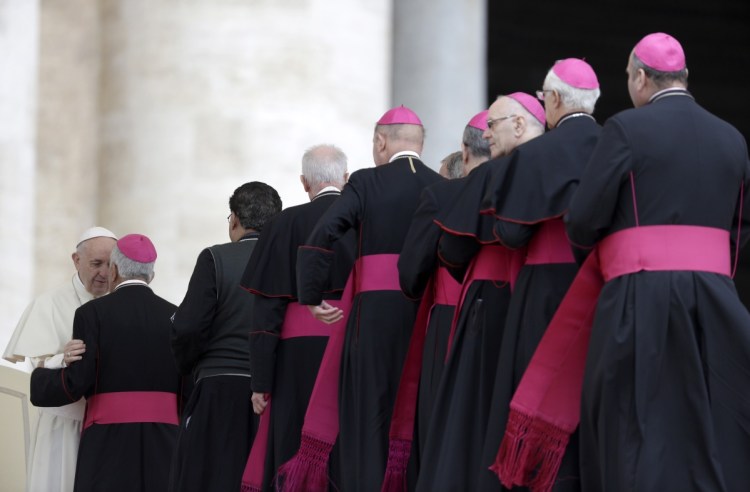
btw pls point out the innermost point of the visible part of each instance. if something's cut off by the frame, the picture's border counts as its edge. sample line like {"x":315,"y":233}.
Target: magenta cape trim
{"x":549,"y":245}
{"x":545,"y":409}
{"x":130,"y":407}
{"x":307,"y":471}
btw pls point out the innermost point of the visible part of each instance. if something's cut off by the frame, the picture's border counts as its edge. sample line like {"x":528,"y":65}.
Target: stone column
{"x":19,"y":20}
{"x":199,"y":97}
{"x":67,"y":195}
{"x":439,"y":60}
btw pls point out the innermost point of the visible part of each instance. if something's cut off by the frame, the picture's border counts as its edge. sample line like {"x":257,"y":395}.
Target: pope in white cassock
{"x":43,"y":336}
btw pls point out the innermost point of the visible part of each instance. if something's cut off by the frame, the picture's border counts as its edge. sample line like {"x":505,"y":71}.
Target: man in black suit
{"x":209,"y":342}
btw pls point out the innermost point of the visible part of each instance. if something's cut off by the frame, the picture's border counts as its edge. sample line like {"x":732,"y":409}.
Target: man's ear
{"x":519,"y":125}
{"x":556,"y":99}
{"x":379,"y":141}
{"x":640,"y":79}
{"x":304,"y":183}
{"x":76,"y":259}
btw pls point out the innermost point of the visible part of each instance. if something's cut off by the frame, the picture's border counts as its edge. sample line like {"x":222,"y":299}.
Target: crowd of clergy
{"x":553,"y":310}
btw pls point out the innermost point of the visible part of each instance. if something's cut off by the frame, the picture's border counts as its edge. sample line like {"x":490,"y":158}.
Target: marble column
{"x":199,"y":97}
{"x":18,"y":104}
{"x":67,"y":177}
{"x":439,"y":60}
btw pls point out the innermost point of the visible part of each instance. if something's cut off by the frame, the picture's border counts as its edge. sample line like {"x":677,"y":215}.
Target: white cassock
{"x":42,"y":332}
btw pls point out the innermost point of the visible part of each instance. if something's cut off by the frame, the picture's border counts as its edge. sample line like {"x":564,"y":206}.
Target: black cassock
{"x":417,"y":263}
{"x":209,"y":341}
{"x":531,"y":192}
{"x":127,"y":350}
{"x":665,"y":392}
{"x":287,"y":367}
{"x":452,"y":452}
{"x":378,"y":204}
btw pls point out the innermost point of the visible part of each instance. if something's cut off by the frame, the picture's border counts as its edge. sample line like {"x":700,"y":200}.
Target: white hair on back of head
{"x":324,"y":163}
{"x":572,"y":97}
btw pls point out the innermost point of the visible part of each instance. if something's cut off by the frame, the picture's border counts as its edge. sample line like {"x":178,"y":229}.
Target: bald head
{"x":391,"y":139}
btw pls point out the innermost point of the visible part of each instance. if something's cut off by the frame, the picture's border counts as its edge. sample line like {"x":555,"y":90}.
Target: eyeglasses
{"x":540,"y":93}
{"x":229,"y":216}
{"x":491,"y":122}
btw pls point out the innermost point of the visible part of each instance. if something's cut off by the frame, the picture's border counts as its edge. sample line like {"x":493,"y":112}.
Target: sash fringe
{"x":307,"y":471}
{"x":246,"y":487}
{"x":531,"y":453}
{"x":399,"y":451}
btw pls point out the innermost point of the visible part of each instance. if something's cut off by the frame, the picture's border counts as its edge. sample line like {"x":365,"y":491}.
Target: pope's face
{"x":92,"y":262}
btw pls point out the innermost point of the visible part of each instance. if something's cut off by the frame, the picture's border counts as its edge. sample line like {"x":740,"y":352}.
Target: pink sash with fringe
{"x":307,"y":471}
{"x":545,"y":409}
{"x":298,"y":322}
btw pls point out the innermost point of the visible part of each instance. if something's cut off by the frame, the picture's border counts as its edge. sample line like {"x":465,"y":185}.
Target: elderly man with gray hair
{"x":528,"y":197}
{"x":127,"y":375}
{"x":286,"y":343}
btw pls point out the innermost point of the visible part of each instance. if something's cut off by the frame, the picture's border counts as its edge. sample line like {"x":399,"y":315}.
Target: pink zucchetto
{"x":576,"y":73}
{"x":531,"y":104}
{"x":400,"y":115}
{"x":138,"y":248}
{"x":661,"y":52}
{"x":479,"y":121}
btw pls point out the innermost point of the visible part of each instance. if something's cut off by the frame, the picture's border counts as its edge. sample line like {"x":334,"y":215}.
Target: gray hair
{"x":572,"y":97}
{"x":662,"y":80}
{"x":475,"y":144}
{"x":324,"y":164}
{"x":454,"y":163}
{"x":131,"y":269}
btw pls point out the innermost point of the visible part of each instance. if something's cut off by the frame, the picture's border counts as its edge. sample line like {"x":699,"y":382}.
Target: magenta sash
{"x":549,"y":245}
{"x":492,"y":262}
{"x":447,"y":288}
{"x":128,"y":407}
{"x":442,"y":289}
{"x":307,"y":471}
{"x":545,"y":409}
{"x":298,"y":322}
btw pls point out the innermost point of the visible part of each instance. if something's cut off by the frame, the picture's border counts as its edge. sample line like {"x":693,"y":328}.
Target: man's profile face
{"x":91,"y":259}
{"x":501,"y":117}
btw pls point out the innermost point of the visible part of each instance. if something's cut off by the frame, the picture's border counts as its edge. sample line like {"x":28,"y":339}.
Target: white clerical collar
{"x":81,"y":292}
{"x":327,"y":189}
{"x":132,"y":281}
{"x":403,"y":153}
